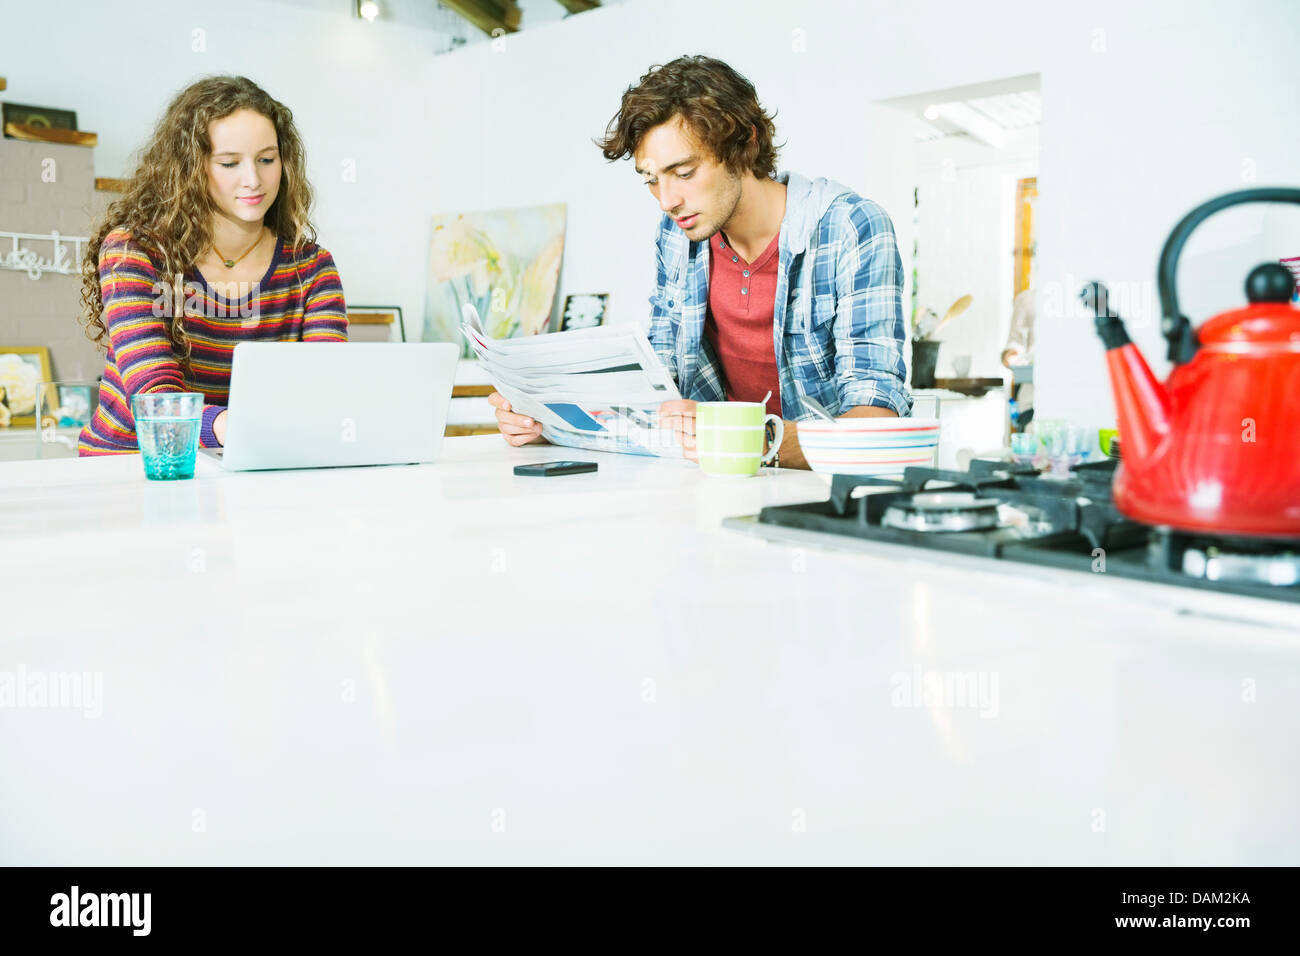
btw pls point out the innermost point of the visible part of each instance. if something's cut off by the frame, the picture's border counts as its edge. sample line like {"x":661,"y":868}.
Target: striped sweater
{"x":299,"y":299}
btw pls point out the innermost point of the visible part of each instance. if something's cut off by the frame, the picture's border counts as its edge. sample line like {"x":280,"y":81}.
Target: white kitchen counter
{"x":449,"y":664}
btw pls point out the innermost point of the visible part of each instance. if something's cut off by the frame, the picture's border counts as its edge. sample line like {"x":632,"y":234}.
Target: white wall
{"x":358,"y":92}
{"x":1141,"y":122}
{"x":1133,"y":138}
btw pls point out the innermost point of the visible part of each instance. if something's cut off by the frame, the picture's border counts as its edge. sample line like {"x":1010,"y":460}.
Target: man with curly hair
{"x":768,"y":284}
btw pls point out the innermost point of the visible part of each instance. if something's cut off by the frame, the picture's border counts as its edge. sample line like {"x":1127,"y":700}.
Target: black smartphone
{"x":545,"y":469}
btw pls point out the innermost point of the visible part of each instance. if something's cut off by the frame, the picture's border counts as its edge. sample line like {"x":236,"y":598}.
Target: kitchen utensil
{"x":954,"y":310}
{"x":816,"y":408}
{"x":924,"y":322}
{"x":961,"y":366}
{"x":1216,"y":448}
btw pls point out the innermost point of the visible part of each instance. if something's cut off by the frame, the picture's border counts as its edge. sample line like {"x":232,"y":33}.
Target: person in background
{"x":1019,"y":349}
{"x":1019,"y":352}
{"x":766,"y":283}
{"x":210,"y":245}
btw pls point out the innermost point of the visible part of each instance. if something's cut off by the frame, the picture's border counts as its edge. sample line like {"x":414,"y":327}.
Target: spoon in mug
{"x":815,"y":407}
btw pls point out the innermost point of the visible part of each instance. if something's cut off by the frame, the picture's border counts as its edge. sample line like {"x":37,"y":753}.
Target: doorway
{"x":974,"y":169}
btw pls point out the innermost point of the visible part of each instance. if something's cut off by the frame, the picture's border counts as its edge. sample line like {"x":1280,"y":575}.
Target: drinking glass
{"x":167,"y":428}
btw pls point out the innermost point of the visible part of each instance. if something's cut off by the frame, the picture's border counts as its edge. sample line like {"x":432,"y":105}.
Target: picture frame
{"x":368,"y":315}
{"x":22,"y":369}
{"x":504,"y":262}
{"x":584,"y":310}
{"x":38,"y":117}
{"x":68,"y":404}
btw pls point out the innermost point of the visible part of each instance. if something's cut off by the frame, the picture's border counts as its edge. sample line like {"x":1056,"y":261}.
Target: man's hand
{"x":679,"y":415}
{"x":219,"y":427}
{"x":792,"y":454}
{"x":515,"y":429}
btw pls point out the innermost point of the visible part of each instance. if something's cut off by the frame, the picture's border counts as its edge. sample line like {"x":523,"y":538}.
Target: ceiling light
{"x":368,"y":9}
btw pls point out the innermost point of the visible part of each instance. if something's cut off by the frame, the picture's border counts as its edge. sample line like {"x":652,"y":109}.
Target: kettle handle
{"x":1177,"y":329}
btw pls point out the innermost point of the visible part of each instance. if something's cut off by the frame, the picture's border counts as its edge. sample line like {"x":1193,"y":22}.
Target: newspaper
{"x":597,"y":388}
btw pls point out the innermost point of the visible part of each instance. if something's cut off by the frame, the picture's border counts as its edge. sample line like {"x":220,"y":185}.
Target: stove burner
{"x":1013,"y":513}
{"x":942,"y":511}
{"x":951,"y":501}
{"x":1255,"y":566}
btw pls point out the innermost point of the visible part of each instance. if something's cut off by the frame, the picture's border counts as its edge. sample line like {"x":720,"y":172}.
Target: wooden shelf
{"x":488,"y":15}
{"x":104,"y":185}
{"x":471,"y":391}
{"x":974,"y":387}
{"x":42,"y":134}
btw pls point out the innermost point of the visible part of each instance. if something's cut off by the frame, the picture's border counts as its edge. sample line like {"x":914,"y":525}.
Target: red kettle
{"x":1216,"y":448}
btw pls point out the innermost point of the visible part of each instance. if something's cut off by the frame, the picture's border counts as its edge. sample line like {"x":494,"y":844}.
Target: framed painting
{"x":584,"y":311}
{"x":376,"y":323}
{"x":22,"y":369}
{"x":39,"y":117}
{"x":504,"y":262}
{"x":67,"y":404}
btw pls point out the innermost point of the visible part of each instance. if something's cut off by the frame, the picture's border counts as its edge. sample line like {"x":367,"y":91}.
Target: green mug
{"x":729,"y":438}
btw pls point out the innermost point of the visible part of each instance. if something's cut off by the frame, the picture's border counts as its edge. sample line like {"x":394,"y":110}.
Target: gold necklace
{"x":231,"y":263}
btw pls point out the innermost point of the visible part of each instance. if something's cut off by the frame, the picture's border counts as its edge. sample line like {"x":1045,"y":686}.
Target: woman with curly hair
{"x":209,"y":246}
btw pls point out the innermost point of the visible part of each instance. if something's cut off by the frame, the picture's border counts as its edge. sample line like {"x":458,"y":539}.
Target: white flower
{"x":18,"y":378}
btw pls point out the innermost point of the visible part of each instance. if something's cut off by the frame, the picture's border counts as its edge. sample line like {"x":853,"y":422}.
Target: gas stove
{"x":1013,"y":512}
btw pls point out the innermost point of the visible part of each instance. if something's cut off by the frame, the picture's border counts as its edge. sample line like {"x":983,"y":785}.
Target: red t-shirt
{"x":739,"y":323}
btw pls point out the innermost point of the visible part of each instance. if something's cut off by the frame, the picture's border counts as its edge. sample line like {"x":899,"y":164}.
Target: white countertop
{"x":449,"y":664}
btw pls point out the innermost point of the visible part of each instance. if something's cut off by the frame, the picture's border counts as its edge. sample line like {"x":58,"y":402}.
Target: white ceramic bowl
{"x":868,"y":446}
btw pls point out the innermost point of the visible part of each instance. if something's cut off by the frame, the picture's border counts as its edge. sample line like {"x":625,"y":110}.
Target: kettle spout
{"x":1141,"y":402}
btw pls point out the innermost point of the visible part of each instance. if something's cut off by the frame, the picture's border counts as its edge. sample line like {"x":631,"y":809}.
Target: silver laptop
{"x":333,"y":404}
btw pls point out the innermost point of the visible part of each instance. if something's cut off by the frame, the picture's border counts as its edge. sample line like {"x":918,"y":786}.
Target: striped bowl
{"x":868,"y":446}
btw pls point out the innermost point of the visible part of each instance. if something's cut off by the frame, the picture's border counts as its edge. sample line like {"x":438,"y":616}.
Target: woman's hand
{"x":679,"y":415}
{"x":219,"y":427}
{"x":516,"y":429}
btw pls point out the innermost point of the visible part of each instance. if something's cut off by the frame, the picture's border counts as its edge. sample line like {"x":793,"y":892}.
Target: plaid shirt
{"x":838,"y":319}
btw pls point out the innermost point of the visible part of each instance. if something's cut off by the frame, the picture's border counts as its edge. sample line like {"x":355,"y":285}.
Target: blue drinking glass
{"x":167,"y":427}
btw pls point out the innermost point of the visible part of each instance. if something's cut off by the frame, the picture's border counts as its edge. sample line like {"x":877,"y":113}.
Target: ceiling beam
{"x":974,"y":91}
{"x":487,"y":15}
{"x":579,"y":6}
{"x":976,"y":124}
